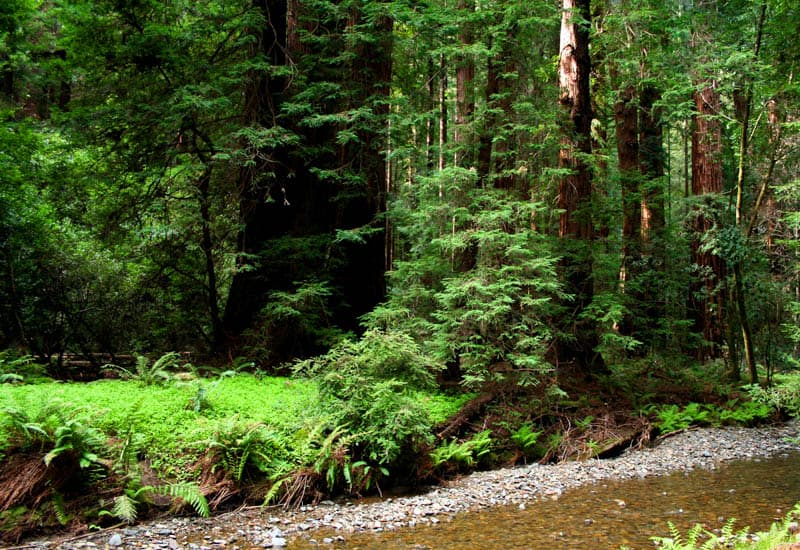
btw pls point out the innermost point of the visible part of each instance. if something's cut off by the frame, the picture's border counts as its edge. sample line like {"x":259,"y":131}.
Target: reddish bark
{"x":575,"y":189}
{"x":465,"y":101}
{"x":707,"y":299}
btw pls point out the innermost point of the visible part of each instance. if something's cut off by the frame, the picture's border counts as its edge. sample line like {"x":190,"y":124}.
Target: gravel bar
{"x":272,"y":527}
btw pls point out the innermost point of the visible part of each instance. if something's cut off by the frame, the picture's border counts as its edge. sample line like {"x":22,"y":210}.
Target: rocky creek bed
{"x":331,"y":522}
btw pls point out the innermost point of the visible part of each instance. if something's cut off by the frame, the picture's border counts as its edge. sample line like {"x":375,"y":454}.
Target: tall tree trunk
{"x":465,"y":94}
{"x":207,"y":245}
{"x":442,"y":114}
{"x":296,"y":198}
{"x":575,"y":189}
{"x":707,"y":298}
{"x":744,"y":106}
{"x":651,"y":168}
{"x":262,"y":97}
{"x":429,"y":127}
{"x":489,"y":128}
{"x":627,"y":133}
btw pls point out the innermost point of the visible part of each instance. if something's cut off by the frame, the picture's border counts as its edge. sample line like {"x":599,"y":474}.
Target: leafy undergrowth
{"x":364,"y":417}
{"x":81,"y":454}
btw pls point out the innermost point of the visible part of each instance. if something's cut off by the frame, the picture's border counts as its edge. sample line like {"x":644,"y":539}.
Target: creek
{"x":609,"y":514}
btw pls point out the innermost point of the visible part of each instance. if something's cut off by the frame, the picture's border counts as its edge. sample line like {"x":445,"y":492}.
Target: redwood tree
{"x":313,"y":188}
{"x":575,"y":188}
{"x":707,"y":299}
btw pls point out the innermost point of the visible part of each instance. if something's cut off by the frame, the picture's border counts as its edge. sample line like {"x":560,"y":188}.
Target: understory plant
{"x":15,"y":368}
{"x":782,"y":534}
{"x":783,"y":394}
{"x":479,"y":286}
{"x":468,"y":453}
{"x":63,"y":434}
{"x":525,"y":438}
{"x":367,"y":391}
{"x":148,"y":372}
{"x":245,"y":449}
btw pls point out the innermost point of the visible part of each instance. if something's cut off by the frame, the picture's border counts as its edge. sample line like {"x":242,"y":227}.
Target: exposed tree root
{"x":23,"y":480}
{"x":468,"y":412}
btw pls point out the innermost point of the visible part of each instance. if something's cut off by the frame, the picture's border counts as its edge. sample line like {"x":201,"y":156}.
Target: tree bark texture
{"x":465,"y":94}
{"x":575,"y":189}
{"x":627,"y":134}
{"x":707,"y":298}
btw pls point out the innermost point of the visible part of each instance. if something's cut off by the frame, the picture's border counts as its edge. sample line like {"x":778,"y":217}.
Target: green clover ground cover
{"x":172,"y":430}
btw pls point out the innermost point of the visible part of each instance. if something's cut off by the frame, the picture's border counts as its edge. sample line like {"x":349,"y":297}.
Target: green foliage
{"x":66,"y":434}
{"x":468,"y":453}
{"x":747,"y":412}
{"x":245,"y":448}
{"x":525,"y":439}
{"x":783,"y":395}
{"x":368,"y":386}
{"x":23,"y":431}
{"x":150,"y":373}
{"x":78,"y":440}
{"x":188,"y":492}
{"x":15,"y":369}
{"x":481,"y":287}
{"x":674,"y":418}
{"x":301,"y":315}
{"x":781,"y":533}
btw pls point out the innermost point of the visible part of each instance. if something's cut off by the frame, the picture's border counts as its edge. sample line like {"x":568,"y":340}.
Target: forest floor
{"x":331,"y":522}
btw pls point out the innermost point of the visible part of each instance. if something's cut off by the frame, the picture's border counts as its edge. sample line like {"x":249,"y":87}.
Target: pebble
{"x":272,"y":528}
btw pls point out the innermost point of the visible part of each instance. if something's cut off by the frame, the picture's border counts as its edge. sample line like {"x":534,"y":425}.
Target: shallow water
{"x":611,"y":513}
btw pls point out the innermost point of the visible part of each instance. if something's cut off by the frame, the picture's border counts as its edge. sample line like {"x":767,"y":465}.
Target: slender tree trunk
{"x":651,"y":167}
{"x":653,"y":217}
{"x":442,"y":114}
{"x":207,"y":245}
{"x":627,"y":133}
{"x":429,"y":129}
{"x":575,"y":190}
{"x":745,"y":102}
{"x":489,"y":123}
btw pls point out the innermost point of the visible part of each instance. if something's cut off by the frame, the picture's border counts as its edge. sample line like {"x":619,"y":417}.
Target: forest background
{"x":538,"y":194}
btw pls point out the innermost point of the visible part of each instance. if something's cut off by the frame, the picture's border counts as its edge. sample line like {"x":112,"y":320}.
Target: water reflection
{"x":611,"y":514}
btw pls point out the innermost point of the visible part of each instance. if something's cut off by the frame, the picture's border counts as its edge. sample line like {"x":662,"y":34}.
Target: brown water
{"x":611,"y":514}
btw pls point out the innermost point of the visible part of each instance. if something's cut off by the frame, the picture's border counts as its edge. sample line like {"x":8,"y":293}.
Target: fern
{"x":189,"y":492}
{"x":150,"y":374}
{"x":525,"y":438}
{"x":58,"y":507}
{"x":79,"y":439}
{"x":124,"y":509}
{"x":467,"y":453}
{"x":275,"y":490}
{"x":22,"y":430}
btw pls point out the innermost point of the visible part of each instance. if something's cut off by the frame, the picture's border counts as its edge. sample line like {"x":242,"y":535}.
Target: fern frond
{"x":189,"y":492}
{"x":58,"y":508}
{"x":274,"y":491}
{"x":124,"y":508}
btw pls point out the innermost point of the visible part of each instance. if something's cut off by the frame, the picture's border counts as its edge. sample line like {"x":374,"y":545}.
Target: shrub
{"x":783,"y":395}
{"x":368,"y":386}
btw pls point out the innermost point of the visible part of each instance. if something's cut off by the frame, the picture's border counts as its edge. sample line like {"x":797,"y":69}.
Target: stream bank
{"x":331,"y":522}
